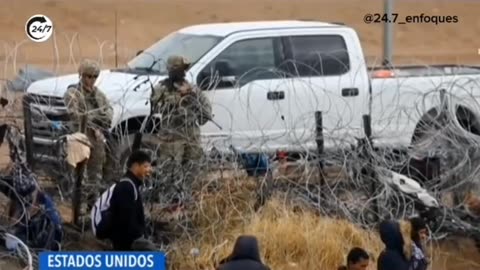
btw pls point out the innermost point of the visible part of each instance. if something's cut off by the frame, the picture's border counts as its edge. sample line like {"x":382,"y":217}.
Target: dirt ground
{"x":87,"y":29}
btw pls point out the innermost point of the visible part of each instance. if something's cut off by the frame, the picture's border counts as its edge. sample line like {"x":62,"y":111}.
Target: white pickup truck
{"x":266,"y":80}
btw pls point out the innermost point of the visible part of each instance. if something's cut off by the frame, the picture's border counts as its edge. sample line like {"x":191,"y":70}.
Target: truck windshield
{"x":188,"y":45}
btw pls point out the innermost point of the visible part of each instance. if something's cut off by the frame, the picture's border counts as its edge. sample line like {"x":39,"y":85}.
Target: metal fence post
{"x":388,"y":34}
{"x":27,"y":126}
{"x":320,"y":149}
{"x":367,"y":126}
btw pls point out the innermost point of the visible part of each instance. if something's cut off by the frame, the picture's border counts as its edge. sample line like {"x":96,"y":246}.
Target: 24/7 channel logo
{"x":39,"y":28}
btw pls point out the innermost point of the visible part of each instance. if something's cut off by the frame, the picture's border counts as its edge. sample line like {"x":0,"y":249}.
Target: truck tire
{"x":434,"y":120}
{"x":424,"y":140}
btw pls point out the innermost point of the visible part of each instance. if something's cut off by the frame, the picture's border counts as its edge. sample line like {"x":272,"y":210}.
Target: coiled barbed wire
{"x":348,"y":195}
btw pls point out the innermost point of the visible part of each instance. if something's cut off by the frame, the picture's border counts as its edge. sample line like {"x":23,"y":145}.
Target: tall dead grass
{"x":290,"y":238}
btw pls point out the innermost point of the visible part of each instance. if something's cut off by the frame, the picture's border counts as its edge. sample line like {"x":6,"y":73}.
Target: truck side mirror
{"x":226,"y":73}
{"x":219,"y":74}
{"x":223,"y":68}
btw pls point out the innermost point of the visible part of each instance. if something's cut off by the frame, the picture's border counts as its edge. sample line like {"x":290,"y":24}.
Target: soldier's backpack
{"x":101,"y":216}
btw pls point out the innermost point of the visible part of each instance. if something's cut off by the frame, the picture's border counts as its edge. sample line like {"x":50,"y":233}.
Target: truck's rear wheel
{"x":430,"y":123}
{"x":440,"y":136}
{"x":433,"y":121}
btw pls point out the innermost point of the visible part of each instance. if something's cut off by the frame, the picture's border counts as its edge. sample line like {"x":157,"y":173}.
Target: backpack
{"x":101,"y":216}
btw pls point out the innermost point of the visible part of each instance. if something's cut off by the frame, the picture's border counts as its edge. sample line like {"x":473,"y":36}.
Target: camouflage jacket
{"x":180,"y":116}
{"x":89,"y":108}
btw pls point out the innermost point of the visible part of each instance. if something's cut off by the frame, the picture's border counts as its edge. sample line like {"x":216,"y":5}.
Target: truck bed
{"x":423,"y":71}
{"x":402,"y":95}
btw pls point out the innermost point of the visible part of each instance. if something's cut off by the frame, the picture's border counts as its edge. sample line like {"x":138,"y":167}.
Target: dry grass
{"x":288,"y":236}
{"x":288,"y":239}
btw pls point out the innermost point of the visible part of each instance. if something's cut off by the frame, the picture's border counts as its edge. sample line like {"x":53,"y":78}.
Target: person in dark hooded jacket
{"x":393,"y":256}
{"x":245,"y":255}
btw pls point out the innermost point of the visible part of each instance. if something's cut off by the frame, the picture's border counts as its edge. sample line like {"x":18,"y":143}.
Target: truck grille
{"x":49,"y":120}
{"x":47,"y":100}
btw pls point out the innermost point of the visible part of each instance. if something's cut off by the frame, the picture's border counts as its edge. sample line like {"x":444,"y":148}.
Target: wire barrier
{"x":353,"y":179}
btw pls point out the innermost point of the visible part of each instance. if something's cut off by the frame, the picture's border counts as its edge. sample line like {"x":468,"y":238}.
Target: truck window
{"x":246,"y":60}
{"x":319,"y":55}
{"x":193,"y":47}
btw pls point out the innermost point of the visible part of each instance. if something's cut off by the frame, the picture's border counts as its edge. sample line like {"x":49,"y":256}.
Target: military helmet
{"x":89,"y":66}
{"x":175,"y":62}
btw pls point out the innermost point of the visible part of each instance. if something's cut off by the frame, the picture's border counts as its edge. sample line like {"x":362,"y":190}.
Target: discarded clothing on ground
{"x":254,"y":164}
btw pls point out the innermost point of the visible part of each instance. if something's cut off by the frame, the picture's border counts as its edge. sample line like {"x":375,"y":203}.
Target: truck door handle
{"x":350,"y":92}
{"x":275,"y":95}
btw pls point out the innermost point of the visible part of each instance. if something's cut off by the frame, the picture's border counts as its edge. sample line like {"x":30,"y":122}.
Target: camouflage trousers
{"x":93,"y":182}
{"x":111,"y":168}
{"x":177,"y":168}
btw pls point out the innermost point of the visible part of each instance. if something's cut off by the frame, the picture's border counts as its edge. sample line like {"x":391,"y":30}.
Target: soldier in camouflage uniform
{"x":183,"y":109}
{"x":91,"y":114}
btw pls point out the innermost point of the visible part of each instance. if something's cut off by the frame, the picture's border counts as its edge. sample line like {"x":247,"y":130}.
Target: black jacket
{"x":245,"y":255}
{"x":127,"y":214}
{"x":393,"y":256}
